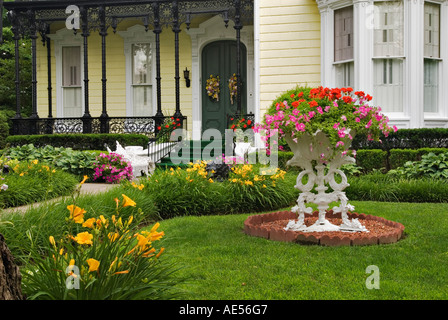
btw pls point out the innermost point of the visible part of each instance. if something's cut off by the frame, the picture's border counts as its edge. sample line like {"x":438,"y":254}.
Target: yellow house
{"x":112,"y":66}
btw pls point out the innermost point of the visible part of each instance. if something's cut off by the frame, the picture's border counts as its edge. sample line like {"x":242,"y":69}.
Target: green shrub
{"x":398,"y":157}
{"x":406,"y":139}
{"x":79,"y":141}
{"x":370,"y":160}
{"x":4,"y":129}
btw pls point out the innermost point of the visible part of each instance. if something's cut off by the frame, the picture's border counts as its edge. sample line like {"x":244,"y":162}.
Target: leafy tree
{"x":7,"y":72}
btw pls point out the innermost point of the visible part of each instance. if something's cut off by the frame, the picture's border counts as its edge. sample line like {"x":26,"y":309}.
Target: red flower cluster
{"x":173,"y":124}
{"x":242,"y":124}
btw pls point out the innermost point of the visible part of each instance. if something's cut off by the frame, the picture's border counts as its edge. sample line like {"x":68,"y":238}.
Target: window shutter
{"x":343,"y":34}
{"x":432,"y":30}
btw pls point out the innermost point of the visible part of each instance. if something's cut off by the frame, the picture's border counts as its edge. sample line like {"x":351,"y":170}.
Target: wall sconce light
{"x":187,"y":77}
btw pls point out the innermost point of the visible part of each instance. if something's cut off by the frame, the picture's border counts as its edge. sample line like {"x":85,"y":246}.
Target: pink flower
{"x":369,"y":124}
{"x":300,"y":127}
{"x":341,"y":133}
{"x":395,"y":128}
{"x":336,"y":125}
{"x":357,"y":119}
{"x":344,"y":118}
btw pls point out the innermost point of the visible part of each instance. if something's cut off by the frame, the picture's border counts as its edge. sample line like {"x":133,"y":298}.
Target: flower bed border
{"x":253,"y":226}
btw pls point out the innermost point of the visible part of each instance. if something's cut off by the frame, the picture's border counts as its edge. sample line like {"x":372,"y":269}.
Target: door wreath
{"x":212,"y":87}
{"x":233,"y":87}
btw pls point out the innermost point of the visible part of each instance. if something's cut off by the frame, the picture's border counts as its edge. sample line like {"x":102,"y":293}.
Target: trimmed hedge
{"x":406,"y":139}
{"x":369,"y":160}
{"x":79,"y":141}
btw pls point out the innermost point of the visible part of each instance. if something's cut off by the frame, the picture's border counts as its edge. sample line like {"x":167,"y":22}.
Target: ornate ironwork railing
{"x":159,"y":145}
{"x":148,"y":126}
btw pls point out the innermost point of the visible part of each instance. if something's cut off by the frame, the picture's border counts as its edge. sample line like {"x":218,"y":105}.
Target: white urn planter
{"x":321,"y":164}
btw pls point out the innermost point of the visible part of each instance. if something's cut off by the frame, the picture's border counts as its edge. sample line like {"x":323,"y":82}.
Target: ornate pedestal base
{"x":308,"y":150}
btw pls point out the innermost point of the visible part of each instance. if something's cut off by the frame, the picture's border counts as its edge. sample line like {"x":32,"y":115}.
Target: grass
{"x":224,"y":263}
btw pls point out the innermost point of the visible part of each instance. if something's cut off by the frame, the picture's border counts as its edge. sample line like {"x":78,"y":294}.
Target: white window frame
{"x":134,"y":35}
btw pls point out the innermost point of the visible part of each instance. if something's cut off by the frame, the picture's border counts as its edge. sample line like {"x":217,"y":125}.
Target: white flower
{"x":4,"y":187}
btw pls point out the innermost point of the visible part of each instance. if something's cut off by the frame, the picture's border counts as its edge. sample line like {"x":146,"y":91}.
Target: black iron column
{"x":157,"y":30}
{"x":50,"y":121}
{"x":33,"y":36}
{"x":104,"y":118}
{"x":176,"y":30}
{"x":16,"y":31}
{"x":86,"y":118}
{"x":238,"y":26}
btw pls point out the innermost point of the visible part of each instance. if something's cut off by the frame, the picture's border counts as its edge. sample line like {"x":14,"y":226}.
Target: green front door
{"x":219,"y":59}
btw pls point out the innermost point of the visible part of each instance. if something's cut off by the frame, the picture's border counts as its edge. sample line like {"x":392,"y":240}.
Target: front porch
{"x":99,"y":83}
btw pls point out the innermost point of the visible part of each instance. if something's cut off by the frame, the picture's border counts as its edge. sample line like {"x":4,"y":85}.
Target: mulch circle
{"x":271,"y":226}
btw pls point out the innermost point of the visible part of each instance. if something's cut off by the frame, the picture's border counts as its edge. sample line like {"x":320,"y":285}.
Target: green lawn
{"x":221,"y":262}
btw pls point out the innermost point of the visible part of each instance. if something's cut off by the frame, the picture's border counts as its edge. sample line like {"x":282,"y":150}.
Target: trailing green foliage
{"x":80,"y":141}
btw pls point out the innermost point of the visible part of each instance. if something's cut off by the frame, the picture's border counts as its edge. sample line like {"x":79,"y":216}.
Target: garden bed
{"x":272,"y":226}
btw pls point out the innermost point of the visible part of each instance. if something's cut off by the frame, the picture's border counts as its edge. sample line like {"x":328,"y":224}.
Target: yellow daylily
{"x":128,"y":202}
{"x":93,"y":264}
{"x":84,"y":180}
{"x":89,"y":223}
{"x":76,"y":213}
{"x":84,"y":238}
{"x":52,"y":241}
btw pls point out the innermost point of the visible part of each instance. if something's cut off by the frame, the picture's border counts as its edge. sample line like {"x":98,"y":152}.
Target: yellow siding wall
{"x":289,"y":47}
{"x":116,"y":76}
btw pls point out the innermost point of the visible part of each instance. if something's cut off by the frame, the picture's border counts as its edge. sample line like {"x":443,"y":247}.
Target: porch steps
{"x":181,"y":158}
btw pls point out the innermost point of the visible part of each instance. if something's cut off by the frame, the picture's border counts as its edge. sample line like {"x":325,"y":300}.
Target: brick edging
{"x":253,"y":227}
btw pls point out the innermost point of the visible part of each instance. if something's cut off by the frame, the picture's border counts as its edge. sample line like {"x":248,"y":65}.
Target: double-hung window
{"x":343,"y":47}
{"x":71,"y":81}
{"x":431,"y":57}
{"x":141,"y":79}
{"x":388,"y":51}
